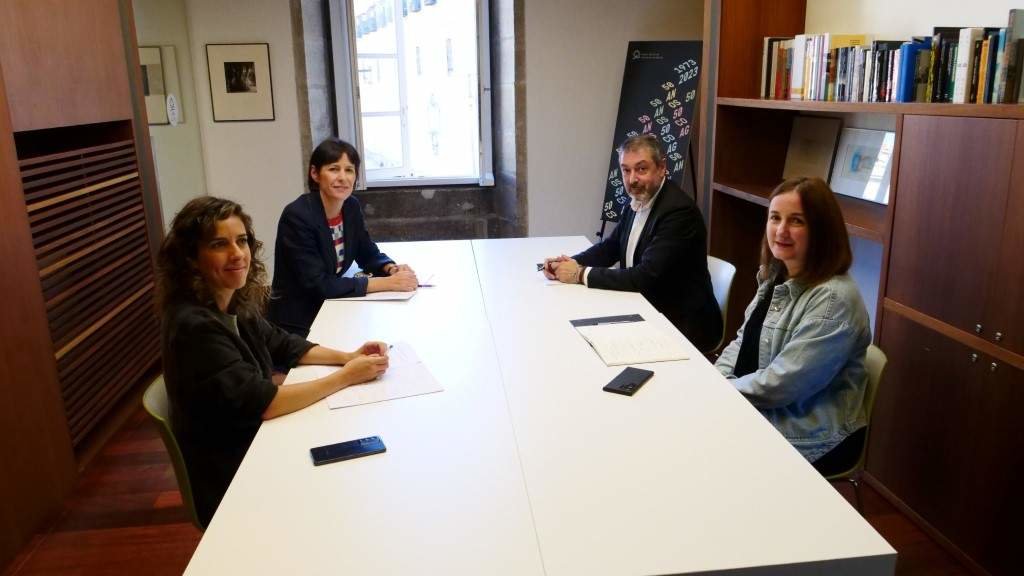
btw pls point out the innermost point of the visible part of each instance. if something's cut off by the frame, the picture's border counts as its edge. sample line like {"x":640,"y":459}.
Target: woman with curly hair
{"x":218,"y":349}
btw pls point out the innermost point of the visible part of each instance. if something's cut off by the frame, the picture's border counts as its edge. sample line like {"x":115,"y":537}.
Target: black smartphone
{"x":347,"y":450}
{"x":629,"y":381}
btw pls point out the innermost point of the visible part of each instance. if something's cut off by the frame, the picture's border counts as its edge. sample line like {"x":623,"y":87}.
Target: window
{"x":413,"y":89}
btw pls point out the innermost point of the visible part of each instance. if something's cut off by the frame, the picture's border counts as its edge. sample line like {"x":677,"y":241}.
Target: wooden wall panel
{"x":89,"y":233}
{"x":35,"y":448}
{"x":744,"y":24}
{"x":51,"y":80}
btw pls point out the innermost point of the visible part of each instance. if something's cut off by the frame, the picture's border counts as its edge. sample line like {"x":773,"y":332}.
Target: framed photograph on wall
{"x":154,"y":88}
{"x":240,"y":86}
{"x":863,"y":164}
{"x":812,"y":147}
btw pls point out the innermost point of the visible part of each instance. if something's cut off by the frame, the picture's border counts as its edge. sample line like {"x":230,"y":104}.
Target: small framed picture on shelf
{"x":863,"y":164}
{"x":240,"y":84}
{"x":812,"y":146}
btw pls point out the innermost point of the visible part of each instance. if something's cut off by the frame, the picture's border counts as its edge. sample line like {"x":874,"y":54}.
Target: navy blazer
{"x":670,"y":266}
{"x":305,"y":261}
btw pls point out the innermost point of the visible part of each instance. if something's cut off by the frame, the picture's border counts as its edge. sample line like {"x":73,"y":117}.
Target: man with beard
{"x":660,"y":244}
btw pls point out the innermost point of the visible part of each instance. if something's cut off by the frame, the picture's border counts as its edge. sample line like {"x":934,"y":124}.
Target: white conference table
{"x":523,"y":465}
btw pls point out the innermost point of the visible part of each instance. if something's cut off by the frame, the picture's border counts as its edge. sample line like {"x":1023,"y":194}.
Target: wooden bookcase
{"x":946,"y":443}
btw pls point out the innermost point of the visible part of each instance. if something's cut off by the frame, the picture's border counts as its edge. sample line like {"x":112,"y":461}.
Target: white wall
{"x":177,"y":150}
{"x":890,"y":20}
{"x":258,"y":164}
{"x":575,"y":51}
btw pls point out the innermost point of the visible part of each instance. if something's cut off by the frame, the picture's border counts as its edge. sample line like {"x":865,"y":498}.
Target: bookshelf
{"x":1015,"y":111}
{"x":939,"y":267}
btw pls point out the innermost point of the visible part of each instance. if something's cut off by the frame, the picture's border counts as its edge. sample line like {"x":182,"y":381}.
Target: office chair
{"x":156,"y":404}
{"x":722,"y":274}
{"x":874,"y":363}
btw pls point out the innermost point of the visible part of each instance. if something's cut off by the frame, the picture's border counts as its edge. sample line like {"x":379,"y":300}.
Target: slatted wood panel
{"x":86,"y":213}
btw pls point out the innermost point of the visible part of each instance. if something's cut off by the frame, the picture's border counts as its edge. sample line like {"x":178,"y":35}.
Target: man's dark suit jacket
{"x":670,"y":266}
{"x":305,"y":261}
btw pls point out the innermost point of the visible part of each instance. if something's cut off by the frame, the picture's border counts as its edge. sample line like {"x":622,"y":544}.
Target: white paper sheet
{"x":633,"y":343}
{"x":407,"y":376}
{"x":378,"y":296}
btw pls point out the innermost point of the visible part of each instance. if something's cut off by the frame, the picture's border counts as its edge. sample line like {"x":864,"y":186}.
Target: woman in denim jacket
{"x":799,"y":356}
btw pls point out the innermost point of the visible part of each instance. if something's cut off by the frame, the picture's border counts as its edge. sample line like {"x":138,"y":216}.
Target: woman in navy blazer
{"x":319,"y":235}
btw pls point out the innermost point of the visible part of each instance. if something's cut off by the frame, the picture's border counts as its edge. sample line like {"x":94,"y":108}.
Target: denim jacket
{"x":811,"y":380}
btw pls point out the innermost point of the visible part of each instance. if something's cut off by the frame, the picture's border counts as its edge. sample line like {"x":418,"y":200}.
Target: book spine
{"x":907,"y":67}
{"x":933,"y":73}
{"x":950,"y":72}
{"x":895,"y":80}
{"x":993,"y":58}
{"x":823,"y":71}
{"x":796,"y":73}
{"x":1014,"y":32}
{"x":999,"y":82}
{"x":858,"y":73}
{"x":979,"y":96}
{"x":924,"y":59}
{"x":972,"y":91}
{"x":940,"y":81}
{"x":964,"y":64}
{"x":869,"y":75}
{"x":766,"y":64}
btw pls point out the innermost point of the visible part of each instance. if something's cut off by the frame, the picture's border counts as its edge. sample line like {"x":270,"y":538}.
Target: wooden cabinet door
{"x":997,"y":462}
{"x":918,"y":447}
{"x":948,"y":222}
{"x":1005,"y":310}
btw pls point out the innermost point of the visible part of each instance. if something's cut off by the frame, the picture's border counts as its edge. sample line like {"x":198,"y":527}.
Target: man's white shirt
{"x":639,"y":220}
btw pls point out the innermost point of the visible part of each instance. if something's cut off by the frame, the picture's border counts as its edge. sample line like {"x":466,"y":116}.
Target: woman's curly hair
{"x":177,"y":274}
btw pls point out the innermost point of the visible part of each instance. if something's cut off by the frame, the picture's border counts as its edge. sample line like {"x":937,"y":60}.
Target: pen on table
{"x":424,"y":285}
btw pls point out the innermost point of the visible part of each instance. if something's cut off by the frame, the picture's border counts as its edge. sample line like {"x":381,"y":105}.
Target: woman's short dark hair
{"x":330,"y":150}
{"x":177,"y":272}
{"x":828,"y":244}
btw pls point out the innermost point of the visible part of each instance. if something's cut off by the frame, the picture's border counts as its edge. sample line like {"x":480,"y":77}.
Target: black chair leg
{"x":854,"y":480}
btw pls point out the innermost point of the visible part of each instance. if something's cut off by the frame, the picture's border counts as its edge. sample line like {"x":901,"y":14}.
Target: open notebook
{"x":620,"y":340}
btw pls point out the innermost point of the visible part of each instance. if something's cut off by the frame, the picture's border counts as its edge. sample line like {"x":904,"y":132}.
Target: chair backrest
{"x":156,"y":404}
{"x":874,"y":364}
{"x":722,"y":274}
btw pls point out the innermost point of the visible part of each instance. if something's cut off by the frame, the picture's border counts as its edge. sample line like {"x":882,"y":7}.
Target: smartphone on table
{"x":629,"y":381}
{"x":347,"y":450}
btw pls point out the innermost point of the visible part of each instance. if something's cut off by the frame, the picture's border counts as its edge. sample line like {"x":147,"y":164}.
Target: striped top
{"x":338,"y":236}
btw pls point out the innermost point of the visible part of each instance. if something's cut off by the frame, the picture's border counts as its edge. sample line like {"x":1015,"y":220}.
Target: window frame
{"x":347,"y":104}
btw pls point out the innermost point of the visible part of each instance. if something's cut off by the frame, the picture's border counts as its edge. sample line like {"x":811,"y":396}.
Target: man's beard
{"x":638,"y":201}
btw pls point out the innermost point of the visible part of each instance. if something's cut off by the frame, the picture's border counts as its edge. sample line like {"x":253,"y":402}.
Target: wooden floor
{"x":126,"y":517}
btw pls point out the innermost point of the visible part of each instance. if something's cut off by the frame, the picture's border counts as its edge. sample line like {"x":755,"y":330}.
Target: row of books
{"x":960,"y":65}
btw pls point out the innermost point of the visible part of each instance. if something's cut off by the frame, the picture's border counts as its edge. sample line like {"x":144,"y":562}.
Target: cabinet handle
{"x":974,"y":358}
{"x":999,"y":336}
{"x":977,"y":328}
{"x":992,"y":367}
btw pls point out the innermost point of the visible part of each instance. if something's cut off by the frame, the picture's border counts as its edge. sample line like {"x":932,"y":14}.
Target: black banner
{"x":659,"y":93}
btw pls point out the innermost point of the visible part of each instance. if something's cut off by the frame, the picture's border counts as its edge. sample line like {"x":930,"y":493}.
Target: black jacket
{"x":218,"y":384}
{"x":305,"y":261}
{"x":670,"y":266}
